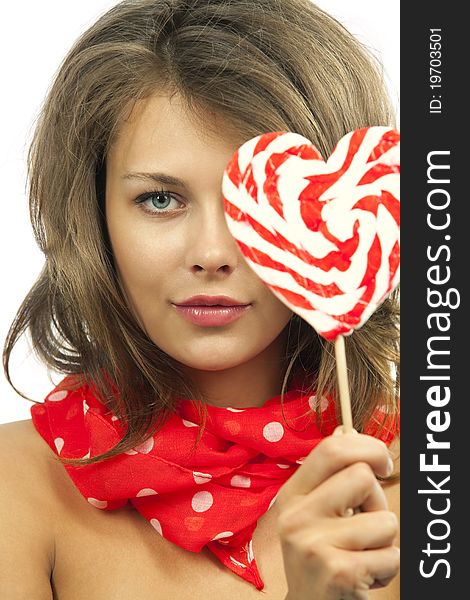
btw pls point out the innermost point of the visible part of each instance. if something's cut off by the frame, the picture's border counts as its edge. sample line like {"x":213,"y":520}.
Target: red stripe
{"x":292,"y":297}
{"x":303,"y":151}
{"x":265,"y":140}
{"x":232,"y":168}
{"x":233,"y":171}
{"x":374,"y":259}
{"x":271,"y":181}
{"x":261,"y":258}
{"x":394,"y":261}
{"x":338,"y":258}
{"x":320,"y":183}
{"x":306,"y":152}
{"x":392,"y":205}
{"x":250,"y":183}
{"x":270,"y":189}
{"x":388,"y":140}
{"x":310,"y":205}
{"x":233,"y":211}
{"x":353,"y":317}
{"x":378,"y":171}
{"x":332,"y":334}
{"x":341,"y":258}
{"x":311,"y":215}
{"x":371,"y":204}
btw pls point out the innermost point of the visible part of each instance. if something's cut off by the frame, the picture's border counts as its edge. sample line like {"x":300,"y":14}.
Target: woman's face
{"x":171,"y":242}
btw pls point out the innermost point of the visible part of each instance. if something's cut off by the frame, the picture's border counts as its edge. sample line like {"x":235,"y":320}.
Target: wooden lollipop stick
{"x":342,"y":372}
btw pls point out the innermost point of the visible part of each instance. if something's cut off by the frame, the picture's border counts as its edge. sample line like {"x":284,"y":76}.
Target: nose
{"x":211,"y":248}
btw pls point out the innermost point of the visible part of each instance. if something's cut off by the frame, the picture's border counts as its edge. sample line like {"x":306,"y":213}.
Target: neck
{"x":249,"y":384}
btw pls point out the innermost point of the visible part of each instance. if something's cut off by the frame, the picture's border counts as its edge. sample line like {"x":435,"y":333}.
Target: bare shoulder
{"x":26,"y":512}
{"x":24,"y":457}
{"x":22,"y":431}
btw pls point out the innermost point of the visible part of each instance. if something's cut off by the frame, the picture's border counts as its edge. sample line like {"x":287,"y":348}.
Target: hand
{"x":334,"y":524}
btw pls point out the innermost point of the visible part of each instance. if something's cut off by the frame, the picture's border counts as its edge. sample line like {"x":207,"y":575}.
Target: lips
{"x":211,"y":311}
{"x":204,"y":300}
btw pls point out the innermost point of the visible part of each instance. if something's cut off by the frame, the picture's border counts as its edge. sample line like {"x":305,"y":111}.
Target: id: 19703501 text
{"x":435,"y":71}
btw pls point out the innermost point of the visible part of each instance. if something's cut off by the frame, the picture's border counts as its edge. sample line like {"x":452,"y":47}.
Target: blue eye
{"x":158,"y":202}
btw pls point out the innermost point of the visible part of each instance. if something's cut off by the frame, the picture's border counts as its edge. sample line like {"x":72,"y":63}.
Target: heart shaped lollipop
{"x":324,"y":236}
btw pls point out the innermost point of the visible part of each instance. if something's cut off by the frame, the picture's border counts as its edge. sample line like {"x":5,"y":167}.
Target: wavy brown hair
{"x":268,"y":65}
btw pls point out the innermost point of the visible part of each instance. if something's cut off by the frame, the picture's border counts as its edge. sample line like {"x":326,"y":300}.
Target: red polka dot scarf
{"x":211,"y":496}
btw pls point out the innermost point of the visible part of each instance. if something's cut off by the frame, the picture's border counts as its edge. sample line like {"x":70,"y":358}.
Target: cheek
{"x":275,"y":314}
{"x":145,"y":260}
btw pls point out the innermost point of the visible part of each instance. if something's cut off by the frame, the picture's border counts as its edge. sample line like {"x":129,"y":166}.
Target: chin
{"x":216,"y":364}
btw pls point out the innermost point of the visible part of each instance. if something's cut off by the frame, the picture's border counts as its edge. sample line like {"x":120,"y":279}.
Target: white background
{"x":34,"y":37}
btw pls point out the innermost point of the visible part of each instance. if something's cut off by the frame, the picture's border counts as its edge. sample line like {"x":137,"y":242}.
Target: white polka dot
{"x":224,"y":534}
{"x":58,"y":396}
{"x":114,"y":418}
{"x":188,"y":423}
{"x":273,"y":431}
{"x":156,"y":523}
{"x":281,"y":466}
{"x":59,"y":444}
{"x":87,"y":455}
{"x":249,"y":551}
{"x":235,"y":409}
{"x":235,"y":562}
{"x":201,"y":477}
{"x":97,"y":503}
{"x":300,"y":460}
{"x":312,"y":401}
{"x":130,"y":452}
{"x":240,"y":481}
{"x":146,"y":492}
{"x":202,"y":501}
{"x":145,"y":447}
{"x":85,"y":407}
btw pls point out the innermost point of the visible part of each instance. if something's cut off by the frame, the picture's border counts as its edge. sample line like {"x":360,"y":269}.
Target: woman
{"x":179,"y":360}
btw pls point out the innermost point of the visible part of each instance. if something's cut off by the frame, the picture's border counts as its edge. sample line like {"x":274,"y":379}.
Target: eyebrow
{"x":162,"y":178}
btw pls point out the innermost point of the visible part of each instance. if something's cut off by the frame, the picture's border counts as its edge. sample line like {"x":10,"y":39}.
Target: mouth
{"x":203,"y":300}
{"x":212,"y":311}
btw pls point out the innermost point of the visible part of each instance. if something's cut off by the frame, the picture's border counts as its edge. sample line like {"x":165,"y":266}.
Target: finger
{"x":383,"y":565}
{"x":353,"y":487}
{"x":364,"y":531}
{"x":333,"y":454}
{"x":357,"y":572}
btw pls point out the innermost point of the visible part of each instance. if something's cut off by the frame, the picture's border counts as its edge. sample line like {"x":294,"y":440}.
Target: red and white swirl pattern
{"x":324,"y":236}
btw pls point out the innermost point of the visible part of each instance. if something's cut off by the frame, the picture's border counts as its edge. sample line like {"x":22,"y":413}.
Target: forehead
{"x":163,"y":126}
